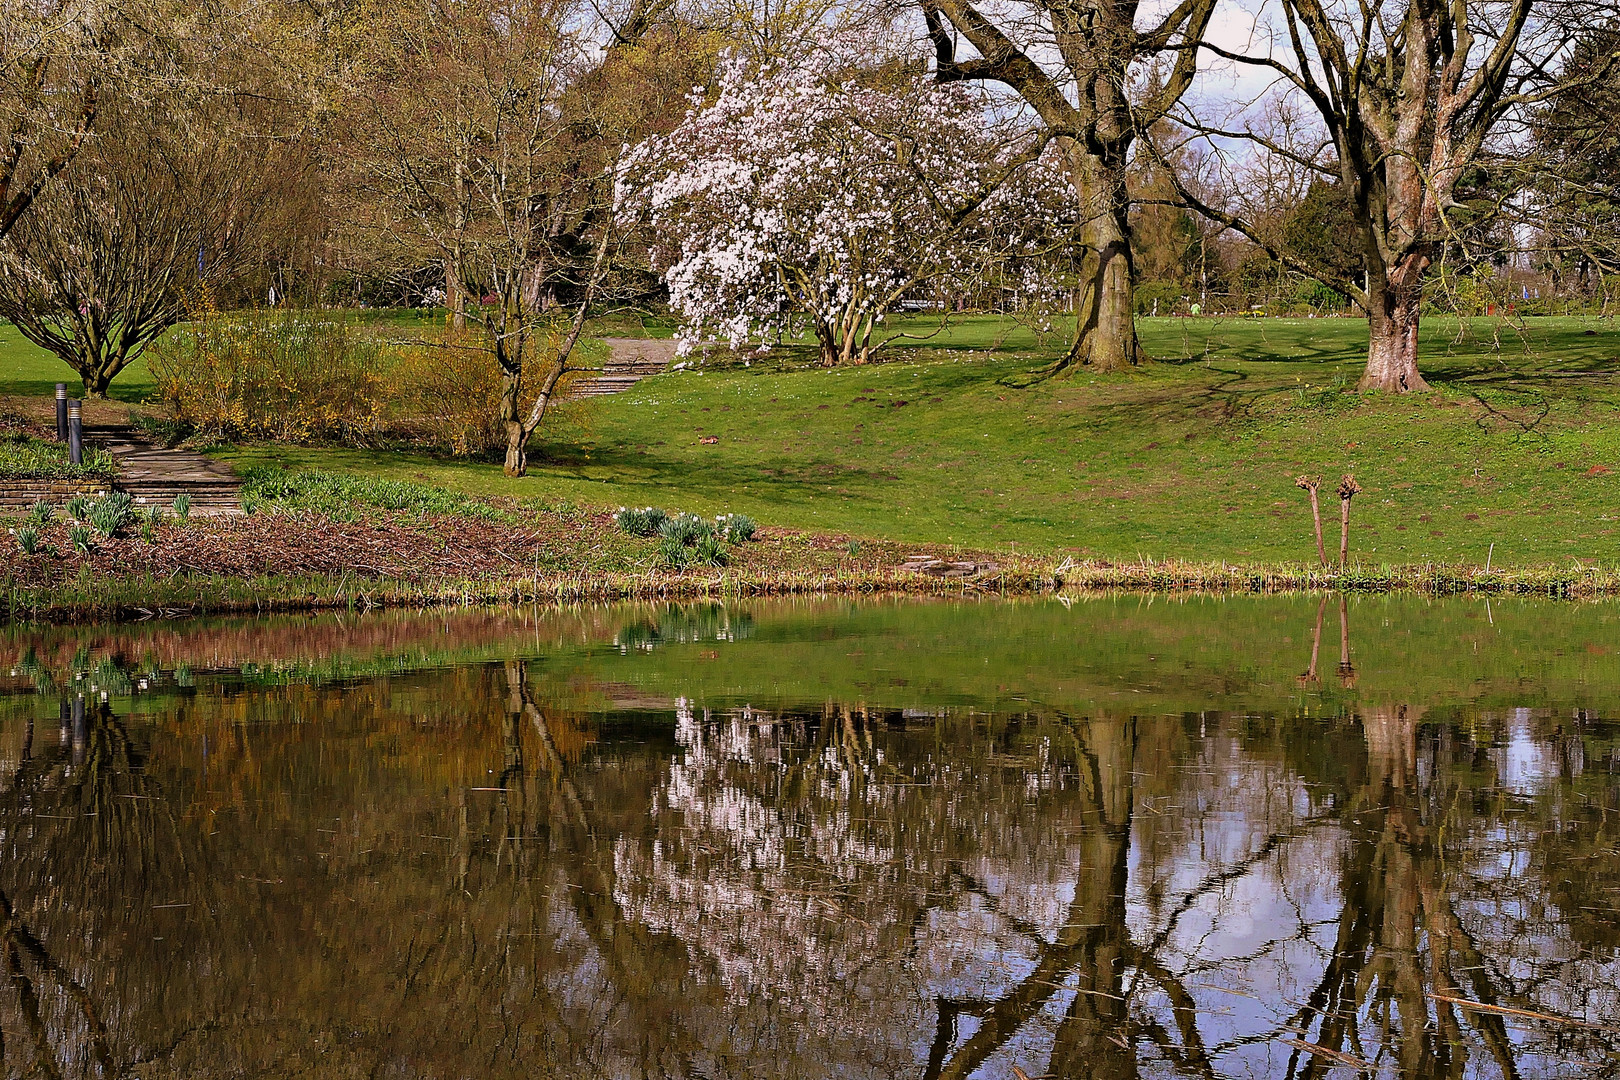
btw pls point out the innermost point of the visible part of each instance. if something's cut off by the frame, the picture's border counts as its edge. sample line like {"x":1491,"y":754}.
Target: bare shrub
{"x":447,"y":390}
{"x":285,"y":376}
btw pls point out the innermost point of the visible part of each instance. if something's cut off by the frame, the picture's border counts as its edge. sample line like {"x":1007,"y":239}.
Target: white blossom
{"x":796,"y":200}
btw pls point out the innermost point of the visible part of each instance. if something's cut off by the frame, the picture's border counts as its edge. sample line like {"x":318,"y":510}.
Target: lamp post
{"x":61,"y":412}
{"x":75,"y":433}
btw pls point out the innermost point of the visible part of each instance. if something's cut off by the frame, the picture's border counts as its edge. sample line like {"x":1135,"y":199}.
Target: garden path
{"x":155,"y":475}
{"x":632,"y":360}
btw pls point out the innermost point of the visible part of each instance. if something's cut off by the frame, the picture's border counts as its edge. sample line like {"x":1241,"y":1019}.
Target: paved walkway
{"x":633,"y":359}
{"x":155,"y":475}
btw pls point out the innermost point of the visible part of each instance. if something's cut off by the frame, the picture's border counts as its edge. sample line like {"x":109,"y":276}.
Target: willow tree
{"x":54,"y":58}
{"x":1409,"y":94}
{"x":1074,"y":62}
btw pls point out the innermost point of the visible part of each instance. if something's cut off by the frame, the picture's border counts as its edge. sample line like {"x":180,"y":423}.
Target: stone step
{"x":143,"y":486}
{"x":607,"y":384}
{"x":154,"y":475}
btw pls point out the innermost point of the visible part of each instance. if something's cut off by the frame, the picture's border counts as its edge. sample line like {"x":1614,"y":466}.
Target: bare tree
{"x":1083,"y":94}
{"x":1570,"y":171}
{"x":1409,"y":93}
{"x":489,"y":142}
{"x":109,"y":254}
{"x":50,"y":92}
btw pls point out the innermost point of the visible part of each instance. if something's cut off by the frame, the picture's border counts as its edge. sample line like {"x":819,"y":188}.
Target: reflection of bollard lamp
{"x":61,"y":412}
{"x":81,"y":730}
{"x":75,"y":433}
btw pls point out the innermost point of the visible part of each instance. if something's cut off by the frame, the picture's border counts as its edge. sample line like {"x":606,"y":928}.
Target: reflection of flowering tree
{"x":809,"y":860}
{"x":796,"y":196}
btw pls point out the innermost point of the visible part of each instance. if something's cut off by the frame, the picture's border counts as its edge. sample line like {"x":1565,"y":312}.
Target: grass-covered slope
{"x":1191,"y":457}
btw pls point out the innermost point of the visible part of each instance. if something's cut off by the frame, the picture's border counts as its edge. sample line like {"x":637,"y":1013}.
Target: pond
{"x":1114,"y":837}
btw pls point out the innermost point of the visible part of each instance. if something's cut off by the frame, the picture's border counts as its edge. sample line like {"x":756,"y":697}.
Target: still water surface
{"x":1239,"y":838}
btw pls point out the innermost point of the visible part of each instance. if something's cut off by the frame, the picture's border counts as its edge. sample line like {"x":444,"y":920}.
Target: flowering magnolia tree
{"x":795,"y":200}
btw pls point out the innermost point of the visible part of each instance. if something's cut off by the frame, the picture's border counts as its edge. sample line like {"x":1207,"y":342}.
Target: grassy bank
{"x":788,"y":565}
{"x":1191,"y":457}
{"x":1512,"y":460}
{"x":89,"y":597}
{"x":328,"y":541}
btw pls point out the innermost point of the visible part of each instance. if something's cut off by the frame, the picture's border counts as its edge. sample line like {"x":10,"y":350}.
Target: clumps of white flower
{"x":687,"y":539}
{"x":735,"y":528}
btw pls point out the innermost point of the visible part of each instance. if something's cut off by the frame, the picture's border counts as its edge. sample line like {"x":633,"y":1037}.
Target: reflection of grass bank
{"x":795,"y":569}
{"x":1099,"y":653}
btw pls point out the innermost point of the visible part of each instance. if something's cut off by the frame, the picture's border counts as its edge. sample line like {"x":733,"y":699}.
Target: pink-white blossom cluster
{"x":801,"y":197}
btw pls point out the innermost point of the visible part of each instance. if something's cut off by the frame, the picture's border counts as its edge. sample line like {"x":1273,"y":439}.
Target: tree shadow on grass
{"x":783,"y":480}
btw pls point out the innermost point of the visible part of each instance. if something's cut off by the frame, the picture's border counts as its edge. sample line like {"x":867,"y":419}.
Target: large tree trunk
{"x":1105,"y":331}
{"x":1393,"y":309}
{"x":829,"y":350}
{"x":98,"y":376}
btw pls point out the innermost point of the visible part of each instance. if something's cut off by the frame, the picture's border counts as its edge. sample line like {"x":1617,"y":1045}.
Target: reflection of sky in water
{"x":1524,"y":763}
{"x":1236,"y":877}
{"x":813,"y":884}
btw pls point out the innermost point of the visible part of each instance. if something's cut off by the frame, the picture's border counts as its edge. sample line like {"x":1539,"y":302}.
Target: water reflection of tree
{"x":1424,"y":975}
{"x":446,"y":874}
{"x":77,"y":819}
{"x":1409,"y":981}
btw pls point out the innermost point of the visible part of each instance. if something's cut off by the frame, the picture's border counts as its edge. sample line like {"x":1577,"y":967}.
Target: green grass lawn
{"x":26,"y":370}
{"x":1192,"y":456}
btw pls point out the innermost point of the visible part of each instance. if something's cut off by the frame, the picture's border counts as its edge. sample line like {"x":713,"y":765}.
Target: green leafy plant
{"x":182,"y":507}
{"x":685,"y":529}
{"x":673,"y":554}
{"x":150,"y":522}
{"x":78,"y":507}
{"x":110,"y":512}
{"x":27,"y":539}
{"x":736,"y":528}
{"x":41,"y":513}
{"x":79,"y":535}
{"x":710,"y":550}
{"x":639,"y":521}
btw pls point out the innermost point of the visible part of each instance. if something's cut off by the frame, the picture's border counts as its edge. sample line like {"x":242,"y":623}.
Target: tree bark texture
{"x":1394,"y":303}
{"x":1105,"y":325}
{"x":1081,"y":97}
